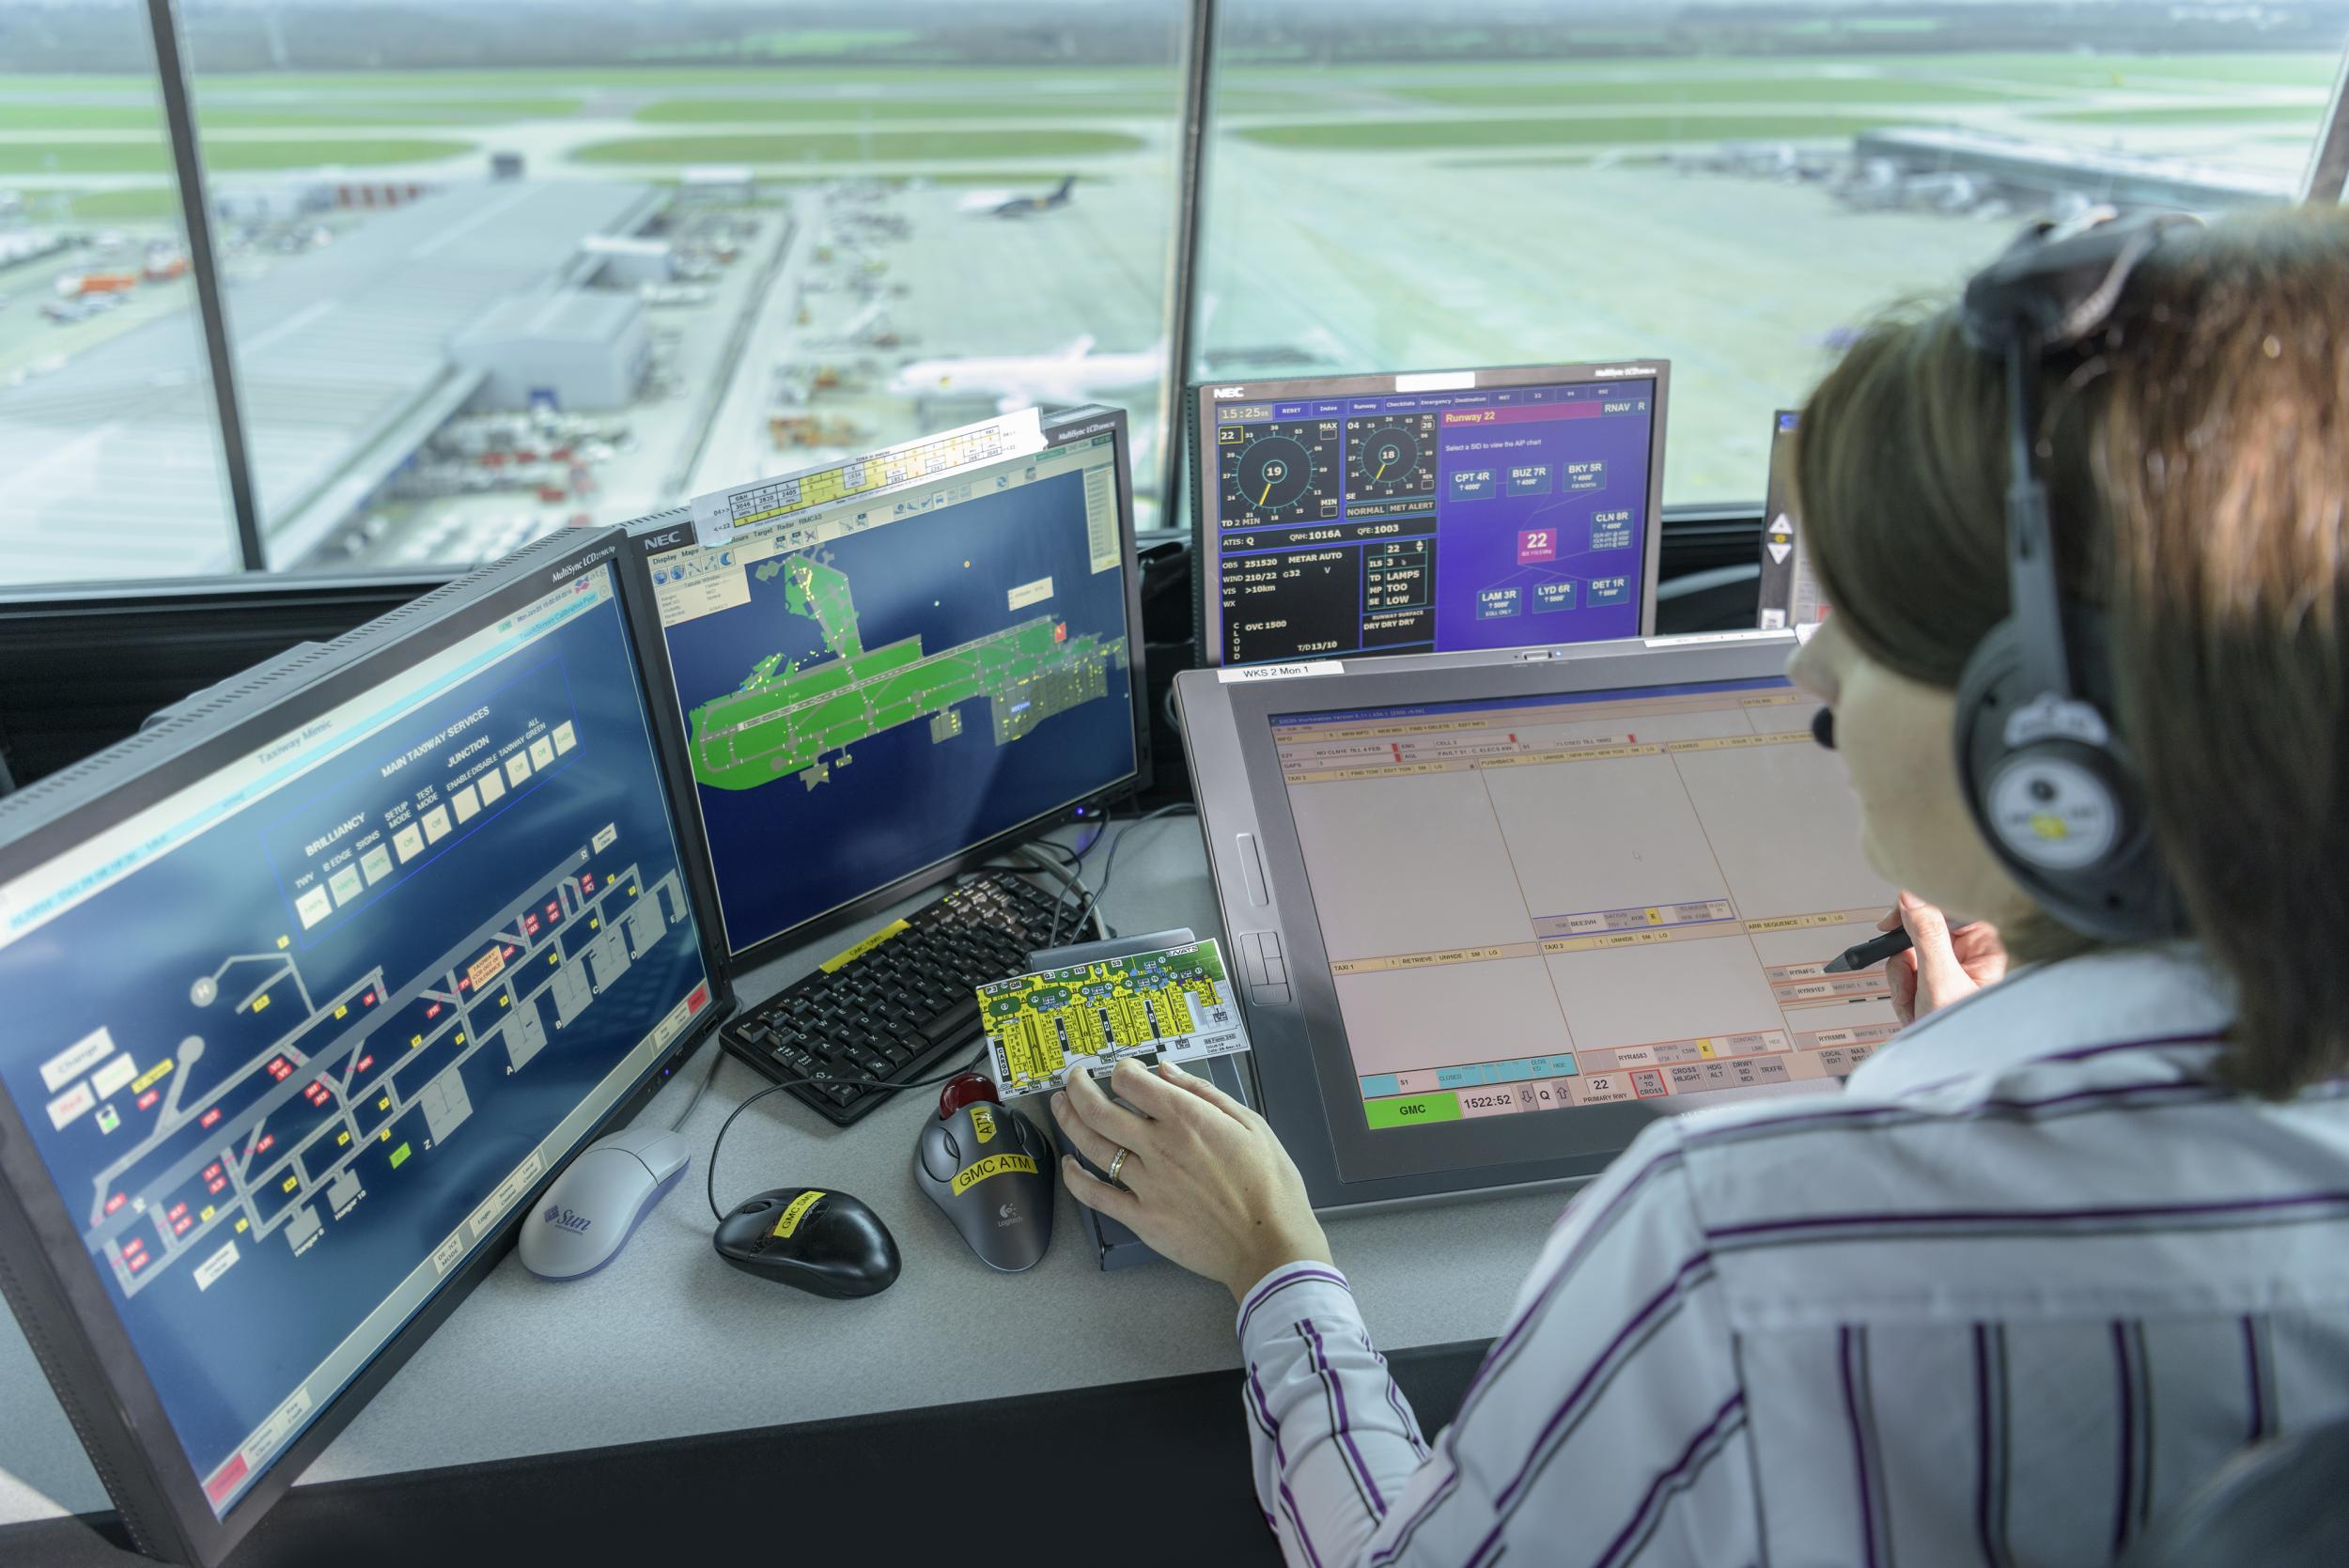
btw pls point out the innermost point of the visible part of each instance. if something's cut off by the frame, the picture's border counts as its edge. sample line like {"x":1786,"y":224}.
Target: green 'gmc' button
{"x":1444,"y":1107}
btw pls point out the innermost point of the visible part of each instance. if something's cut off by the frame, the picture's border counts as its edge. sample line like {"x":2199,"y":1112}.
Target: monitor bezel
{"x":669,"y":531}
{"x":1201,"y":399}
{"x":1257,"y":865}
{"x":75,"y":1334}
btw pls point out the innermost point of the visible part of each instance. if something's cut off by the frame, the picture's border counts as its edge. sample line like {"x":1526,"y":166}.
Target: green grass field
{"x":366,"y":111}
{"x":848,"y":147}
{"x":2118,"y":71}
{"x":1438,"y":135}
{"x":815,"y":44}
{"x":826,"y":106}
{"x":1539,"y":161}
{"x":1807,"y":90}
{"x":2264,"y":116}
{"x":703,"y":111}
{"x":828,"y":76}
{"x":130,"y":204}
{"x":219,"y":155}
{"x":2052,"y":69}
{"x":1012,"y":180}
{"x":454,"y":110}
{"x":832,"y":74}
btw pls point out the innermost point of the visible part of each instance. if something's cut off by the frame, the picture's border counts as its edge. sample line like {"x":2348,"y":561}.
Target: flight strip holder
{"x":1114,"y":1246}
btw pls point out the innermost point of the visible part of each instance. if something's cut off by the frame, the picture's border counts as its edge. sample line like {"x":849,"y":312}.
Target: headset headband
{"x":2050,"y":782}
{"x":2051,"y":288}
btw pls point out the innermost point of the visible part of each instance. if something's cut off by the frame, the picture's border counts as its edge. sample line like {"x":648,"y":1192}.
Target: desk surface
{"x":669,"y":1342}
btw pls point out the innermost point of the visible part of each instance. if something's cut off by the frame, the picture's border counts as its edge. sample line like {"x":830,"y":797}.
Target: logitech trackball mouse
{"x":822,"y":1242}
{"x":988,"y":1170}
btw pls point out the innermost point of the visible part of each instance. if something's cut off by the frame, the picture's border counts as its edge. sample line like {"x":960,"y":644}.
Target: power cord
{"x":1109,"y":866}
{"x":717,"y":1054}
{"x":1071,"y":882}
{"x":709,"y":1173}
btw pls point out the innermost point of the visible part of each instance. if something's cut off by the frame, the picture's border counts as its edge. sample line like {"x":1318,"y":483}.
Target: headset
{"x":2049,"y":778}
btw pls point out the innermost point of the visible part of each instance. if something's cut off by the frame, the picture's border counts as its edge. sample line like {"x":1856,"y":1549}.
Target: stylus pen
{"x":1873,"y":951}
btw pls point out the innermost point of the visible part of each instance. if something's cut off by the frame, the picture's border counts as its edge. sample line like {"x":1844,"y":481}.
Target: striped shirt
{"x":2032,"y":1276}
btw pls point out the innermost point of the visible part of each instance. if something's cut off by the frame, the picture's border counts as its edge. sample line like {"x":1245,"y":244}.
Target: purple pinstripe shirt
{"x":2030,"y":1277}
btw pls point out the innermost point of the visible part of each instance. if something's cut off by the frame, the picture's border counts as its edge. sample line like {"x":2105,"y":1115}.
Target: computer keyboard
{"x":898,"y":1009}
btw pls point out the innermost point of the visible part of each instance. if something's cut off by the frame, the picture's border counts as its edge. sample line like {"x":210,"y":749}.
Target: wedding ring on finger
{"x":1117,"y":1163}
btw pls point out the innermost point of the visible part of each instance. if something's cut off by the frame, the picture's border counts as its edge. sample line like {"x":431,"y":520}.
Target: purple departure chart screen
{"x":1459,"y":510}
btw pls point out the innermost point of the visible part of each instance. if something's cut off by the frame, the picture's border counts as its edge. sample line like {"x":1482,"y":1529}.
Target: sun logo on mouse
{"x":552,"y":1215}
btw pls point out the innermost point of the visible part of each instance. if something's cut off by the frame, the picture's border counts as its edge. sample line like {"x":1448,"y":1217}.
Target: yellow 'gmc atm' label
{"x":795,"y":1211}
{"x":993,"y":1165}
{"x":983,"y":1121}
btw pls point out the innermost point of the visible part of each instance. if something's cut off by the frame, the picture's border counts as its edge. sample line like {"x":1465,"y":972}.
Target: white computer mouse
{"x":595,"y":1203}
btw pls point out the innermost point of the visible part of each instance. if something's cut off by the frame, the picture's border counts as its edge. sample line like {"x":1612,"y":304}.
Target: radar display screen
{"x":1483,"y":509}
{"x":1281,"y":472}
{"x":1392,"y":458}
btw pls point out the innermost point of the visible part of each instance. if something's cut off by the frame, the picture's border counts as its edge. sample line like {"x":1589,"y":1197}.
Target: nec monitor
{"x":1435,"y":512}
{"x":1491,"y":913}
{"x":865,"y":698}
{"x":1789,"y":593}
{"x":309,"y":992}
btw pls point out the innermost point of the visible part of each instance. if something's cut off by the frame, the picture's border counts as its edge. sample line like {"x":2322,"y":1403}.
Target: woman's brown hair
{"x":2196,"y":471}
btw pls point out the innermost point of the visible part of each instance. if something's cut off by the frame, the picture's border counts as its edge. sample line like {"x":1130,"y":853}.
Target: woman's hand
{"x":1207,"y":1185}
{"x":1944,"y":965}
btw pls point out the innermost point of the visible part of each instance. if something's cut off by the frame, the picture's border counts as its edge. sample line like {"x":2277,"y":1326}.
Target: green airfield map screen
{"x":869,"y":689}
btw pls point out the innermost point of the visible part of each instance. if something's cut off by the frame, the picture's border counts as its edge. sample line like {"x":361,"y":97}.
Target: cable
{"x":1070,"y":880}
{"x":709,"y":1173}
{"x":1060,"y":907}
{"x":1062,"y":872}
{"x":1071,"y":883}
{"x":717,"y":1054}
{"x":1109,"y":866}
{"x":1063,"y":854}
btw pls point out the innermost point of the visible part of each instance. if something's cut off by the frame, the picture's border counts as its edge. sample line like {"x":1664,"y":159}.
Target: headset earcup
{"x":1985,"y":695}
{"x":2119,"y":892}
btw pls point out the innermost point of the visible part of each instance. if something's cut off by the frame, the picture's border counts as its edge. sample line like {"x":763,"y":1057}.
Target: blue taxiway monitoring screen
{"x":294,"y":1041}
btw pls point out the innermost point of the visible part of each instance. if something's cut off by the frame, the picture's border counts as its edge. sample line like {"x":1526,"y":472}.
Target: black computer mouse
{"x":988,"y":1170}
{"x":824,"y":1243}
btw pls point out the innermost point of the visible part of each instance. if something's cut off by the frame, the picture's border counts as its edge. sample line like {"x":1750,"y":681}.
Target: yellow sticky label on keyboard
{"x":850,"y":955}
{"x":794,"y":1211}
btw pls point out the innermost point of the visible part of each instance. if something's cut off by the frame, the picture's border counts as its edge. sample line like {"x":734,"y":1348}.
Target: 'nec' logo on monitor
{"x":1230,"y":390}
{"x":658,"y":541}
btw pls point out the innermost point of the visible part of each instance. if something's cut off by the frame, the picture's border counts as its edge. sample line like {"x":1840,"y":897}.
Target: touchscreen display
{"x":1536,"y":904}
